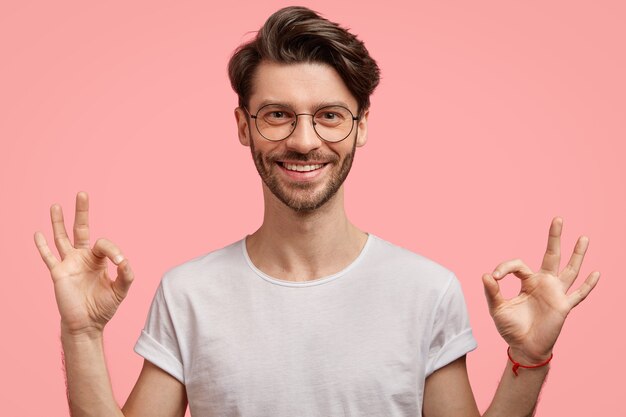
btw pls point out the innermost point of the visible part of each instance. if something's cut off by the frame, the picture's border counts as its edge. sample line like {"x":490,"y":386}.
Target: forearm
{"x":89,"y":387}
{"x":517,"y":396}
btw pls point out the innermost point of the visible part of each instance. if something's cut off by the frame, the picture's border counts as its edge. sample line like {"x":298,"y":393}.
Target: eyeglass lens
{"x":331,"y":123}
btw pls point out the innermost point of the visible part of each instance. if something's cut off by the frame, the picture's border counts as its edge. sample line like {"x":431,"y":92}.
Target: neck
{"x":301,"y":246}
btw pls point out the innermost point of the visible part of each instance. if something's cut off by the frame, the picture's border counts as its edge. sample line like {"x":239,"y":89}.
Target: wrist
{"x":528,"y":365}
{"x":88,"y":333}
{"x":522,"y":357}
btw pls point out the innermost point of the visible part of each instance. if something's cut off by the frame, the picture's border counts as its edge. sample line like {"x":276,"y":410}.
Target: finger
{"x":125,"y":277}
{"x":570,"y":272}
{"x":61,"y":240}
{"x":104,"y":248}
{"x":583,"y":291}
{"x":552,"y":257}
{"x":81,"y":221}
{"x":492,"y":292}
{"x":46,"y":254}
{"x":514,"y":266}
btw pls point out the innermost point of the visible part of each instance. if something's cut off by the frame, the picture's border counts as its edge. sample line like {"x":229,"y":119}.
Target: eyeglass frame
{"x":295,"y":125}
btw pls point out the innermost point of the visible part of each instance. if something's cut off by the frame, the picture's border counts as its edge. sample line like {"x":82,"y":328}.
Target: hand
{"x":531,"y":322}
{"x":86,"y":297}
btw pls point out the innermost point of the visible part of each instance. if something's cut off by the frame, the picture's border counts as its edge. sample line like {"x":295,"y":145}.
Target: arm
{"x":156,"y":393}
{"x":530,"y":323}
{"x":447,"y":392}
{"x":87,"y":299}
{"x":170,"y":399}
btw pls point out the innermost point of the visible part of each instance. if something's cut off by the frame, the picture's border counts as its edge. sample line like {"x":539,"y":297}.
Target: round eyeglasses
{"x":276,"y":122}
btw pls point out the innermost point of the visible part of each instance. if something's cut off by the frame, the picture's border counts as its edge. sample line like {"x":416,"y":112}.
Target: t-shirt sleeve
{"x":158,"y":342}
{"x":451,"y":335}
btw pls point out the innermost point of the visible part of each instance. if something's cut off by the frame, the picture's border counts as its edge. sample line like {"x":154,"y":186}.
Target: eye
{"x":331,"y":116}
{"x":276,"y":115}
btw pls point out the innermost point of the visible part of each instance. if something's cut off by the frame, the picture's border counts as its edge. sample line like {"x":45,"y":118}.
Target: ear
{"x":243,"y":129}
{"x":361,"y":137}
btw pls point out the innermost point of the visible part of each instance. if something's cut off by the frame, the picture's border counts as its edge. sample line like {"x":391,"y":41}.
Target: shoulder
{"x":198,"y":269}
{"x":397,"y":262}
{"x":433,"y":288}
{"x":414,"y":282}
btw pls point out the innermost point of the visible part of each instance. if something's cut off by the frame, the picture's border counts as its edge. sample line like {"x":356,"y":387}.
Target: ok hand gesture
{"x":86,"y":297}
{"x":531,"y":322}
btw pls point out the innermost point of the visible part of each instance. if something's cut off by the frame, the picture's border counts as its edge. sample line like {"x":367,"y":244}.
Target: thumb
{"x":125,"y":277}
{"x":492,"y":292}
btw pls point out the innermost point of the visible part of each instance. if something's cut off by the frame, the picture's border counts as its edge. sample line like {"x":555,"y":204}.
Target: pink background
{"x":491,"y":118}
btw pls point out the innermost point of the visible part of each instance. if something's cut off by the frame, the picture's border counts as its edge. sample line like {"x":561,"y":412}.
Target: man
{"x":307,"y":316}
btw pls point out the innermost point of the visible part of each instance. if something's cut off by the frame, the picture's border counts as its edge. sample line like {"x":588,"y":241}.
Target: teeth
{"x":302,"y":168}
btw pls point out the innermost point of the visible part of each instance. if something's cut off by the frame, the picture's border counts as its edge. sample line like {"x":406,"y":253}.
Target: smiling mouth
{"x":300,"y":167}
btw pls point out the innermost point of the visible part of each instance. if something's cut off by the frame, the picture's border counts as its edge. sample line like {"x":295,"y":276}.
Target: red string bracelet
{"x":517,"y":365}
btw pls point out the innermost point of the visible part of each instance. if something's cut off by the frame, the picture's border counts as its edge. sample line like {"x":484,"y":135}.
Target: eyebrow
{"x":314,"y":108}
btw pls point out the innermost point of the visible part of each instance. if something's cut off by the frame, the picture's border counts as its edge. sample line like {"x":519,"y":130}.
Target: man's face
{"x":303,"y":171}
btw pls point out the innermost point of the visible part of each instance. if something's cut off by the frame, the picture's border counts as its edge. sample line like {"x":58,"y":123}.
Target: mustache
{"x":301,"y":157}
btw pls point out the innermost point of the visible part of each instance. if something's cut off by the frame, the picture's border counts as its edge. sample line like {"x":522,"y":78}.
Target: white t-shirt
{"x":357,"y":343}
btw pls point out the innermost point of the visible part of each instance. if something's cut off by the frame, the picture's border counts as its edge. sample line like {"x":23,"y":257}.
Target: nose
{"x":303,"y":139}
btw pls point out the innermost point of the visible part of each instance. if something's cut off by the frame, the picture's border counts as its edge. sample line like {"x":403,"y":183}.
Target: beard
{"x":302,"y":197}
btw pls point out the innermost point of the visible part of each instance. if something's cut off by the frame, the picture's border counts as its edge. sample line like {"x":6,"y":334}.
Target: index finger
{"x":552,"y":257}
{"x":63,"y":244}
{"x":81,"y":221}
{"x":46,"y":254}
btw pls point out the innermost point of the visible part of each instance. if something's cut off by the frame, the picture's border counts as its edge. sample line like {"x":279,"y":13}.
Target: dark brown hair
{"x":297,"y":34}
